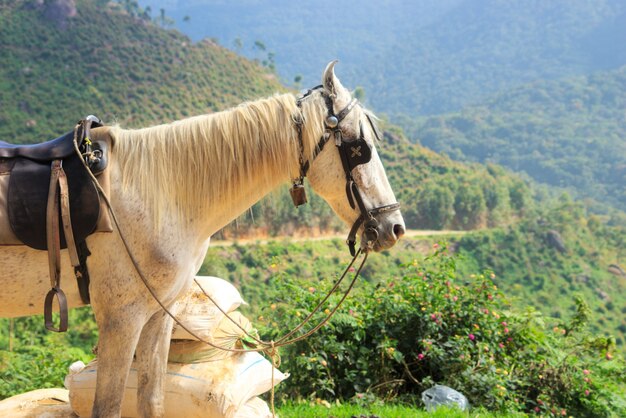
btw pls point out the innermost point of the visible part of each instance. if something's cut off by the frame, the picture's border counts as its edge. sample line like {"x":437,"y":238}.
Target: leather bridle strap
{"x":367,"y":216}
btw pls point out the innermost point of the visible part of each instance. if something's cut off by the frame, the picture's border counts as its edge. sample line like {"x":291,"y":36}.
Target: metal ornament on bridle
{"x":352,"y":154}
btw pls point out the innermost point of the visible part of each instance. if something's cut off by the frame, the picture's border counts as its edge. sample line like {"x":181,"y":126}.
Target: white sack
{"x":216,"y":389}
{"x":254,"y":408}
{"x":198,"y":313}
{"x":41,"y":403}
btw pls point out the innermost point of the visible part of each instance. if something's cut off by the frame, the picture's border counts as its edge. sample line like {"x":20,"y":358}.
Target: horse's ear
{"x":330,"y":81}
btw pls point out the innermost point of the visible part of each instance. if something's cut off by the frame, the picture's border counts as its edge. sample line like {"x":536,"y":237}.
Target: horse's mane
{"x":183,"y":165}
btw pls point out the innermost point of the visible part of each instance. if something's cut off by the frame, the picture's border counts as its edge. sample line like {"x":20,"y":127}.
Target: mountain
{"x":63,"y":60}
{"x":417,"y":57}
{"x":123,"y":67}
{"x":568,"y":133}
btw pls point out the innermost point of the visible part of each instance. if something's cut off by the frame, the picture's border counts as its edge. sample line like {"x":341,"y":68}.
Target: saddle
{"x":49,"y":201}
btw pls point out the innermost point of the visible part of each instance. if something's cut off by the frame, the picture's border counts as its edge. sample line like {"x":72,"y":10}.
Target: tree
{"x":297,"y":80}
{"x":359,"y":93}
{"x":238,"y":43}
{"x":259,"y":45}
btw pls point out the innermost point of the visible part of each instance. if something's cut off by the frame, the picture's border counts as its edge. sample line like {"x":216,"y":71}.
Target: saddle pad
{"x":29,"y":182}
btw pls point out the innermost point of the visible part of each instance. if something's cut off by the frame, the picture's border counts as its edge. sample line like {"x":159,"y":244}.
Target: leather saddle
{"x":29,"y":169}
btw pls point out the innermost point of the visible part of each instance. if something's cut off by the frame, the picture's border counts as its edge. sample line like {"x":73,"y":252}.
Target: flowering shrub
{"x":397,"y":337}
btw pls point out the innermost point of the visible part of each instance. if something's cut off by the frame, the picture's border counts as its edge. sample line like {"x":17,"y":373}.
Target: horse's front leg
{"x":118,"y":338}
{"x":152,"y":351}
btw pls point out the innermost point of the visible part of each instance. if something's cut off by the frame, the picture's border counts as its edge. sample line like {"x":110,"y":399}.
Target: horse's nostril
{"x":398,"y":230}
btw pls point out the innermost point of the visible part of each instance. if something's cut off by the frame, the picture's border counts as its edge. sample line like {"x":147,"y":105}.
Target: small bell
{"x":298,"y":194}
{"x":332,"y":121}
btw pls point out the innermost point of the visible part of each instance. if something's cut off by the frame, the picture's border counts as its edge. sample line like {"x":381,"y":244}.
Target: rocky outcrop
{"x":555,"y":240}
{"x":59,"y":11}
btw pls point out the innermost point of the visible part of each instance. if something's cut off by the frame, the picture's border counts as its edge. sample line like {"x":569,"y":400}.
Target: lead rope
{"x":269,"y":348}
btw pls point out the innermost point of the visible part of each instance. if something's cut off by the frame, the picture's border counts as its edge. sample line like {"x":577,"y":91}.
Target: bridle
{"x":353,"y":153}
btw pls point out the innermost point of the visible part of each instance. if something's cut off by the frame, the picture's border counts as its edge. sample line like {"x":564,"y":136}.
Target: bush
{"x":36,"y":358}
{"x":397,"y":337}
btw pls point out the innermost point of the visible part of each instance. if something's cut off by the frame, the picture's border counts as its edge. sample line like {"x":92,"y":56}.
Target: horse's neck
{"x":248,"y":190}
{"x":212,"y":171}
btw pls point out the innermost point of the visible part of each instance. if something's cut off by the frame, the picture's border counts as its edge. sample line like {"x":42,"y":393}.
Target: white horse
{"x":172,"y":187}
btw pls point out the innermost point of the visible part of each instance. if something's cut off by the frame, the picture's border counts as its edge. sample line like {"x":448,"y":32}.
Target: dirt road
{"x":265,"y":240}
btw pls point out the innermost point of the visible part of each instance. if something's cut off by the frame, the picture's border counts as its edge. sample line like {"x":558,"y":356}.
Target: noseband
{"x":353,"y":153}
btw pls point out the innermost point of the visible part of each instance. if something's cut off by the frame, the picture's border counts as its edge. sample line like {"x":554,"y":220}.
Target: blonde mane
{"x":182,"y":167}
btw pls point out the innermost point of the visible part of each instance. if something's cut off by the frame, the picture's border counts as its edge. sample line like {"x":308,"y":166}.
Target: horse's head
{"x":348,"y":172}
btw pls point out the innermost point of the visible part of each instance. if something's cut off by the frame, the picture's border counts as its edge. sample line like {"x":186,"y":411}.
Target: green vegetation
{"x":108,"y":62}
{"x":544,"y":260}
{"x":569,"y":133}
{"x":395,"y":339}
{"x":553,"y":255}
{"x":320,"y":410}
{"x":437,"y":193}
{"x":33,"y":358}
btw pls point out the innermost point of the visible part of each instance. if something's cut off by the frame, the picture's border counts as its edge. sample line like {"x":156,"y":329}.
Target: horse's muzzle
{"x":385,"y":234}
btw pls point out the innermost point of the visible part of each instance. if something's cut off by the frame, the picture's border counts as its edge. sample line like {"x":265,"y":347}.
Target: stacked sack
{"x":201,"y":381}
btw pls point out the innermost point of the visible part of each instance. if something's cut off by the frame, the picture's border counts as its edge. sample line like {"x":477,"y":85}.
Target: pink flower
{"x":585,"y":372}
{"x":506,"y":330}
{"x":420,"y":356}
{"x":433,"y":316}
{"x":490,"y":296}
{"x":435,"y":246}
{"x":501,"y":345}
{"x":587,"y":392}
{"x":503,"y":323}
{"x":455,"y":298}
{"x":351,"y":269}
{"x":472,"y":337}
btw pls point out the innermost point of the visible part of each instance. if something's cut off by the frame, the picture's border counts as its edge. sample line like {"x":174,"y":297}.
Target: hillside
{"x":417,"y":57}
{"x":553,"y":255}
{"x":130,"y":71}
{"x":434,"y":191}
{"x":569,"y":133}
{"x":60,"y":64}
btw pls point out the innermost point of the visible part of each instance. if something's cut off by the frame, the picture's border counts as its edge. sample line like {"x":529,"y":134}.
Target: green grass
{"x":311,"y":410}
